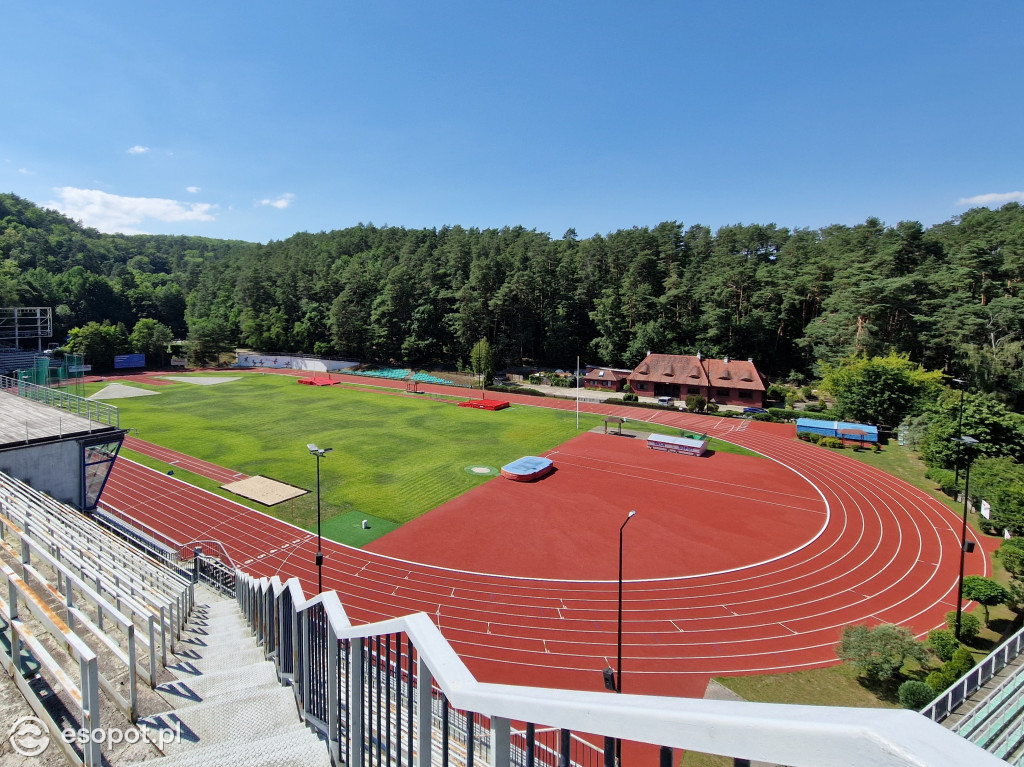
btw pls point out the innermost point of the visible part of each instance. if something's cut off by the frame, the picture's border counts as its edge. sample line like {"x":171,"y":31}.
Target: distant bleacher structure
{"x":20,"y":326}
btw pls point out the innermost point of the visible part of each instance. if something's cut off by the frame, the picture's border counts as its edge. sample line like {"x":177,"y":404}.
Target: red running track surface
{"x":182,"y":461}
{"x":886,"y":553}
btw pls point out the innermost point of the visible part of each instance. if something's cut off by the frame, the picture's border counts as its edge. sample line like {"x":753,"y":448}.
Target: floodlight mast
{"x":319,"y":452}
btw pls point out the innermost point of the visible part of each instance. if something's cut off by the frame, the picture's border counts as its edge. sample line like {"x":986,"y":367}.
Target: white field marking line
{"x":295,"y":545}
{"x":516,"y":615}
{"x":694,"y":477}
{"x":446,"y":571}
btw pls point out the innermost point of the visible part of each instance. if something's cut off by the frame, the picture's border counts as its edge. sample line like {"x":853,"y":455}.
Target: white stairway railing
{"x":395,"y":693}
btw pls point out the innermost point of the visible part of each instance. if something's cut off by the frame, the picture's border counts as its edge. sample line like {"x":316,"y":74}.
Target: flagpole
{"x":577,"y":393}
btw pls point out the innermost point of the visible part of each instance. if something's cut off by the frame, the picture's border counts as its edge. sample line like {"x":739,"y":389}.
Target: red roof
{"x":606,"y":374}
{"x":691,"y":371}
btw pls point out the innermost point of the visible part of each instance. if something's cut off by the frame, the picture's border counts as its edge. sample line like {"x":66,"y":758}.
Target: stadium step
{"x":228,"y":706}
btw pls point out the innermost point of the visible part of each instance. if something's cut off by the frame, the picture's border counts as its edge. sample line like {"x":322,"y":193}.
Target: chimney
{"x":698,"y":356}
{"x":726,"y":360}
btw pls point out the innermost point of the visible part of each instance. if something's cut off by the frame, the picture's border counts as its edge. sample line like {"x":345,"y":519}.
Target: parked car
{"x":754,"y":410}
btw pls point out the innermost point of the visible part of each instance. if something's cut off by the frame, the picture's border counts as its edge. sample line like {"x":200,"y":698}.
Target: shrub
{"x":944,"y":478}
{"x":962,"y":661}
{"x":517,"y":390}
{"x":880,"y":652}
{"x":785,"y":414}
{"x":807,"y":392}
{"x":695,"y":403}
{"x":915,"y":695}
{"x":630,"y":397}
{"x":985,"y":592}
{"x":777,"y":391}
{"x":970,"y":625}
{"x":939,"y":680}
{"x":943,"y":643}
{"x":833,"y":442}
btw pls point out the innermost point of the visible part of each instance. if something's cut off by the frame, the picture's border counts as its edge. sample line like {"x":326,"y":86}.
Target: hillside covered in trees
{"x":949,"y":296}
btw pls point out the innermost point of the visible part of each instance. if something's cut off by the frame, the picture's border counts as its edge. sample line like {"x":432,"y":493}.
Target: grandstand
{"x":429,"y":378}
{"x":986,"y":705}
{"x":389,"y":374}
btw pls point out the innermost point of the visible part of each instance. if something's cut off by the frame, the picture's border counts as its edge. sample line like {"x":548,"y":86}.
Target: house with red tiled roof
{"x":723,"y":381}
{"x":605,"y":379}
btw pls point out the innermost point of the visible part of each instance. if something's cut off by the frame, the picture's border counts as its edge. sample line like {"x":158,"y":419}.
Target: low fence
{"x":396,"y":693}
{"x":203,"y":561}
{"x":100,"y":412}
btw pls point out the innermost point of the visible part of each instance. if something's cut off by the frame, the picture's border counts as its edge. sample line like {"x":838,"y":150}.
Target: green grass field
{"x":395,"y":456}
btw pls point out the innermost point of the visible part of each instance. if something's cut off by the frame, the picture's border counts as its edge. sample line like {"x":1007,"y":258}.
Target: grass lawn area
{"x":395,"y":456}
{"x":832,"y":686}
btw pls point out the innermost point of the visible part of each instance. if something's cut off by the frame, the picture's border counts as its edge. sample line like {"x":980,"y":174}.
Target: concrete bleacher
{"x":430,"y":378}
{"x":390,"y":374}
{"x":15,"y":359}
{"x":995,"y":720}
{"x":98,"y":637}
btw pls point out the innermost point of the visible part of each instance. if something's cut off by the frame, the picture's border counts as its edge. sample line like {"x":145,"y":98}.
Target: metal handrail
{"x":100,"y":412}
{"x":336,"y":667}
{"x":946,"y":702}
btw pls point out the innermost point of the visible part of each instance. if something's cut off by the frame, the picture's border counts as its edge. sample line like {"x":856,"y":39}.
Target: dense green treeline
{"x":949,"y":296}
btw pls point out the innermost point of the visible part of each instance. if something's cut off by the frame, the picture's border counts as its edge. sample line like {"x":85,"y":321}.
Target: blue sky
{"x":257,"y":120}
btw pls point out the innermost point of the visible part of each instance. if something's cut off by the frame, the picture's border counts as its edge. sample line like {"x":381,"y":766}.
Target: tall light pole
{"x":618,"y":666}
{"x":959,"y":429}
{"x":968,"y":442}
{"x":319,"y":452}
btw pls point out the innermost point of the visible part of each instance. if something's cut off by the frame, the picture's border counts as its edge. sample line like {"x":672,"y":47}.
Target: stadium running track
{"x":888,"y":553}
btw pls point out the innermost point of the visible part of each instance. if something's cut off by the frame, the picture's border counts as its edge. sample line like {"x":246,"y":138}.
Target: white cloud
{"x":993,"y":198}
{"x":113,"y":213}
{"x":192,"y":189}
{"x":25,"y":172}
{"x":280,"y":203}
{"x":138,"y":149}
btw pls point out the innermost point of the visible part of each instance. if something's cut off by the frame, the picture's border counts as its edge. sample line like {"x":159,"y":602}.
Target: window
{"x":97,"y":461}
{"x":721,"y":392}
{"x":745,"y":393}
{"x":693,"y":390}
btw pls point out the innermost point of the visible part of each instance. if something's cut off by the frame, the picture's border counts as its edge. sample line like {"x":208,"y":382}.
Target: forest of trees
{"x":948,"y":296}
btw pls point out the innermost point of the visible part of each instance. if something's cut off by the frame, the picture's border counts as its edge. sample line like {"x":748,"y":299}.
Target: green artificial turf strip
{"x":395,"y":456}
{"x":348,"y":528}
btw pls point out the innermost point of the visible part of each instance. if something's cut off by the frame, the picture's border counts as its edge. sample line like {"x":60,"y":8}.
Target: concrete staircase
{"x":229,"y":707}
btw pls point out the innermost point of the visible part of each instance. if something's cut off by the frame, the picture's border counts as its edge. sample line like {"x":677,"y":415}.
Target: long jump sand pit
{"x":694,"y":515}
{"x":264,"y":490}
